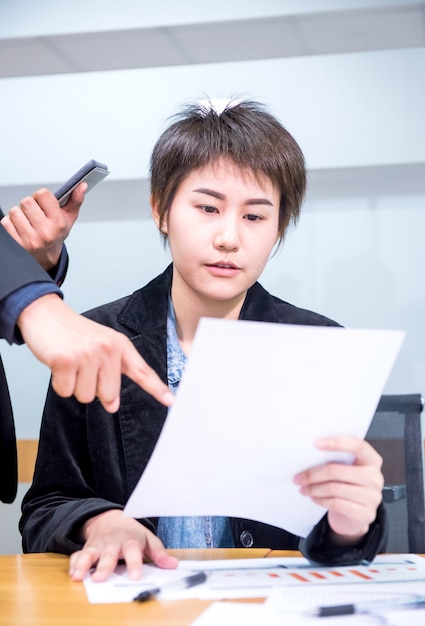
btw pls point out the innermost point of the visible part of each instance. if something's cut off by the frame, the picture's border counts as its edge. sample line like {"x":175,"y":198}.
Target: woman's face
{"x":221,"y":227}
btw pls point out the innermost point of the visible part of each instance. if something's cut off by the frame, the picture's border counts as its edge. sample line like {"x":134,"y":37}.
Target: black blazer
{"x":18,"y":269}
{"x":90,"y":461}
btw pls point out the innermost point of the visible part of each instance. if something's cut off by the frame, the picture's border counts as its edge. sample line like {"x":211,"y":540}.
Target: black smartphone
{"x":91,"y":173}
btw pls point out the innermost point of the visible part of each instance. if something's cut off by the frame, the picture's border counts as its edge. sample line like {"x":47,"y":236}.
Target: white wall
{"x":346,"y":110}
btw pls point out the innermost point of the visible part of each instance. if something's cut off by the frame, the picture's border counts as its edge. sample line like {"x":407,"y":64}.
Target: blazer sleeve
{"x":318,"y":549}
{"x":22,"y":281}
{"x":18,"y":267}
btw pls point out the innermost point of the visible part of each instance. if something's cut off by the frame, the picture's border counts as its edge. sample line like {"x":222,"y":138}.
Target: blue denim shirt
{"x":188,"y":532}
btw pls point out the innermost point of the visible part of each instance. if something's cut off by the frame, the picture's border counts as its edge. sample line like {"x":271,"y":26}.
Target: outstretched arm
{"x":86,"y":358}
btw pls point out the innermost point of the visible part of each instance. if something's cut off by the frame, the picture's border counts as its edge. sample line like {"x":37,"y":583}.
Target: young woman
{"x":226,"y":180}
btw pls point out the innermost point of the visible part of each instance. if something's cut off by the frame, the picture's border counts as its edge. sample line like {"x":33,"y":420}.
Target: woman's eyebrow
{"x":210,"y":192}
{"x":220,"y":196}
{"x":259,"y":201}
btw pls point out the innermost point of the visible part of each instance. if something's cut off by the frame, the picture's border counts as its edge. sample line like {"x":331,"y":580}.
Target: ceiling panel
{"x":352,"y":31}
{"x":233,"y":40}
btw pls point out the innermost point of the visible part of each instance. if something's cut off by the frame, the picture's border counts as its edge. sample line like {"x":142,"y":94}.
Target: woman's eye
{"x":253,"y":218}
{"x":208,"y":209}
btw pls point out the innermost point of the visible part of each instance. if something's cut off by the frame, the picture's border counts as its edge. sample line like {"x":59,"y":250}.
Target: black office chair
{"x":396,"y":433}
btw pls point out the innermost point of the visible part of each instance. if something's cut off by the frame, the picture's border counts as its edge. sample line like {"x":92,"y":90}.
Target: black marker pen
{"x":370,"y":607}
{"x":175,"y":585}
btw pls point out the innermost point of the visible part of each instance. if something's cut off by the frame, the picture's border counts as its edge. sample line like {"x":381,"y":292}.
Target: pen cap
{"x":144,"y":595}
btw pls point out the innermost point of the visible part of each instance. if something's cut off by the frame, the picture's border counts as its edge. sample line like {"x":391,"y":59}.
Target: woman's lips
{"x":221,"y":268}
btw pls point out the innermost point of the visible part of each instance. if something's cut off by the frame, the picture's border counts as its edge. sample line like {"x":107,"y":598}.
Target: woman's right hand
{"x":111,"y":536}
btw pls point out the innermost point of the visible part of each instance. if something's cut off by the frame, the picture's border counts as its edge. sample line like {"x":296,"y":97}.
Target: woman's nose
{"x":227,"y":236}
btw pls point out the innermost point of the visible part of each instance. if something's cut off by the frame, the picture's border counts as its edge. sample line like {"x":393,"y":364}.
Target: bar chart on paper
{"x":390,"y":581}
{"x":399,"y":568}
{"x":233,"y":579}
{"x":249,"y":578}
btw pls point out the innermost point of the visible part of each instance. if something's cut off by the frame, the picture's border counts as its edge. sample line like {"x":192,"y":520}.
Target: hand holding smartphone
{"x":91,"y":173}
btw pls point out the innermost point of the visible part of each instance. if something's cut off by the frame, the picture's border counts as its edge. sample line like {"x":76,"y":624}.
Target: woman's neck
{"x":189,"y":310}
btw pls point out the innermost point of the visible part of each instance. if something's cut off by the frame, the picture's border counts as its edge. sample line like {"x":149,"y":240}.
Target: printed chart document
{"x":290,"y":584}
{"x":253,"y":400}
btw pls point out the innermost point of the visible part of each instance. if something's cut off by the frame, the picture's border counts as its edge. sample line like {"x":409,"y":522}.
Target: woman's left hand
{"x":350,"y":493}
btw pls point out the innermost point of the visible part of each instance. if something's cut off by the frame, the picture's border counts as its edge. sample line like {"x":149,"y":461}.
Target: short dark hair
{"x":243,"y":132}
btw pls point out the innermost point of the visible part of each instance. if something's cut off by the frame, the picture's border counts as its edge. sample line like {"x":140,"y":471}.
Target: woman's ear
{"x":155,"y":214}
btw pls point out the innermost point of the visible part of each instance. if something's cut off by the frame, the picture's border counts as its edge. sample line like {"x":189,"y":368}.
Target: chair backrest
{"x":396,"y":432}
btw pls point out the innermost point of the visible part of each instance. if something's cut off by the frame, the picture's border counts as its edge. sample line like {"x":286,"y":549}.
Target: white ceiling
{"x":400,"y":25}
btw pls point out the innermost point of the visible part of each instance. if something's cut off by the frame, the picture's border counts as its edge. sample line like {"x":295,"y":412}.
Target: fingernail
{"x":168,"y":398}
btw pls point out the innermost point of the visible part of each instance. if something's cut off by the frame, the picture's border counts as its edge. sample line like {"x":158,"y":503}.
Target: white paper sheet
{"x":296,"y":577}
{"x":119,"y":588}
{"x":254,"y":398}
{"x":273,"y":578}
{"x":232,"y":613}
{"x":295,"y":600}
{"x":298,"y":599}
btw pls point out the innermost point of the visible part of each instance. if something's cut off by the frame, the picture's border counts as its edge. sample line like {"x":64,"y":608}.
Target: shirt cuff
{"x":58,"y":272}
{"x":318,"y":549}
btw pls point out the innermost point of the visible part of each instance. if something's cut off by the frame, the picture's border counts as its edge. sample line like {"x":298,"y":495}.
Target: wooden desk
{"x":35,"y":590}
